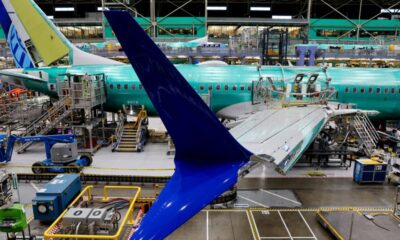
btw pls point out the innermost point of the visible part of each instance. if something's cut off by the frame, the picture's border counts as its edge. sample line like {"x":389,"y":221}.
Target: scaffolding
{"x":84,"y":98}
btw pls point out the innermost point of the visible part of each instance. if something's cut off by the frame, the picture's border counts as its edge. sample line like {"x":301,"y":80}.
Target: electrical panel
{"x":75,"y":215}
{"x":97,"y":215}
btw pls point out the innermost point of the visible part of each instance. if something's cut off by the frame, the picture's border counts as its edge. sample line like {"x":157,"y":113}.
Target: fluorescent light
{"x":390,"y":10}
{"x":50,"y":17}
{"x":281,"y":17}
{"x":64,"y":9}
{"x":260,"y":9}
{"x":216,"y":8}
{"x":100,"y":9}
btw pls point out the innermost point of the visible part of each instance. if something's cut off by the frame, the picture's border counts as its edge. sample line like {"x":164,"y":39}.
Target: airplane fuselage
{"x":366,"y":88}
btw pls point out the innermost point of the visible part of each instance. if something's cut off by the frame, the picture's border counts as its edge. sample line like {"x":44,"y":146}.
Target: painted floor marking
{"x":35,"y":187}
{"x":255,"y":225}
{"x":308,"y":226}
{"x":284,"y":224}
{"x":280,"y":196}
{"x":208,"y":232}
{"x":250,"y":200}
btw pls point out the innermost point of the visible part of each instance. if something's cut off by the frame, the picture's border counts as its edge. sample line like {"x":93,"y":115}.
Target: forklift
{"x":61,"y":153}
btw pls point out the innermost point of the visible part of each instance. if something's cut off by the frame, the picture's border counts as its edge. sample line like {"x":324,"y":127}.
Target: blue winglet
{"x":207,"y":157}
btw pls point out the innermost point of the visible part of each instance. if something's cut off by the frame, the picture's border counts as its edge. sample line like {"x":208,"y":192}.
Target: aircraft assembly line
{"x":94,"y":148}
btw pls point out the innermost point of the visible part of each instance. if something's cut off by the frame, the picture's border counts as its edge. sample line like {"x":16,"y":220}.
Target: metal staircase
{"x":128,"y":140}
{"x":46,"y":122}
{"x":366,"y":132}
{"x":131,"y":136}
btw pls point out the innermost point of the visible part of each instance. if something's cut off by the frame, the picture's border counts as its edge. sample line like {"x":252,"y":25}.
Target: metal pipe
{"x":153,"y":18}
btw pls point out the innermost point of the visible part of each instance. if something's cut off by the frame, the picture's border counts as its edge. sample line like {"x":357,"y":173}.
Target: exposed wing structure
{"x":281,"y":135}
{"x":207,"y":158}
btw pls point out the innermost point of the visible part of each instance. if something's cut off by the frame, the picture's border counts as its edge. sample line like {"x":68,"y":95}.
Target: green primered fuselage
{"x":367,"y":88}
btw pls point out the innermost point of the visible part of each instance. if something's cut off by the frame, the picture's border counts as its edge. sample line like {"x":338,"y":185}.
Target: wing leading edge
{"x":207,"y":157}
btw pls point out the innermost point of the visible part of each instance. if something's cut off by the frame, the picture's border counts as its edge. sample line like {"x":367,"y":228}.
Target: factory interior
{"x":200,"y":119}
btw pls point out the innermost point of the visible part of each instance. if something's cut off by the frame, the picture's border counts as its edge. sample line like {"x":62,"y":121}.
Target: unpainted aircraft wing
{"x":282,"y":135}
{"x":16,"y":77}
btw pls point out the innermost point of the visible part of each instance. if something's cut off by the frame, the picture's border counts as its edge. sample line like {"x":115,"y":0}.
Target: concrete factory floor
{"x":274,"y":208}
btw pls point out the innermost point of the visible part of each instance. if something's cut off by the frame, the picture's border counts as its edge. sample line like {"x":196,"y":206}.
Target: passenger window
{"x":218,"y":87}
{"x":234,"y":87}
{"x":378,"y":90}
{"x":209,"y":88}
{"x":118,"y":86}
{"x":226,"y":87}
{"x":249,"y":88}
{"x":242,"y":88}
{"x":386,"y":90}
{"x":370,"y":90}
{"x":140,"y":86}
{"x":393,"y":91}
{"x":133,"y":86}
{"x":362,"y":90}
{"x":201,"y":87}
{"x":112,"y":86}
{"x":126,"y":86}
{"x":346,"y":90}
{"x":354,"y":90}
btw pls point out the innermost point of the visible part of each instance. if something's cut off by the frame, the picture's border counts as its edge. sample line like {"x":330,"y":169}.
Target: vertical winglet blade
{"x":207,"y":157}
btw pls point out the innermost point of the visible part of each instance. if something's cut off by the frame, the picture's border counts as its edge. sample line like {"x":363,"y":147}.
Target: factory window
{"x":393,"y":91}
{"x":118,"y":86}
{"x":140,"y":86}
{"x":177,"y":31}
{"x":386,"y":90}
{"x":126,"y":86}
{"x":242,"y":88}
{"x":249,"y":88}
{"x":370,"y":90}
{"x":226,"y":87}
{"x":201,"y":87}
{"x":346,"y":90}
{"x":354,"y":90}
{"x":111,"y":86}
{"x":82,"y":32}
{"x":362,"y":90}
{"x":218,"y":87}
{"x":133,"y":86}
{"x":234,"y":87}
{"x":209,"y":88}
{"x":378,"y":90}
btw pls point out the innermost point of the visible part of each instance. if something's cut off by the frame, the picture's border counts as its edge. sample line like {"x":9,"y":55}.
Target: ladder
{"x":46,"y":122}
{"x":130,"y":137}
{"x":366,"y":132}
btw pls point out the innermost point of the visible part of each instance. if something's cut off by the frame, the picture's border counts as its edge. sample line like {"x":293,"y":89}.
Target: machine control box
{"x":74,"y":215}
{"x":97,"y":215}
